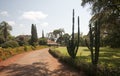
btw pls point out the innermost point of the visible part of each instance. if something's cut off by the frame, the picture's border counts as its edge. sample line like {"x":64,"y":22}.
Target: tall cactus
{"x":73,"y":45}
{"x":97,"y":41}
{"x":94,"y":36}
{"x":91,"y":43}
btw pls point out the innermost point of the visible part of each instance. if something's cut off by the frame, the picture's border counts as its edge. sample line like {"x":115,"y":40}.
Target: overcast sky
{"x":46,"y":14}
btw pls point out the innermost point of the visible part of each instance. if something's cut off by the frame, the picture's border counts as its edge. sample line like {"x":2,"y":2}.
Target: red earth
{"x":36,"y":63}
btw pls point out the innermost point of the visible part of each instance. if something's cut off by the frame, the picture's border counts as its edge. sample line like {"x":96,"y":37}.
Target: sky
{"x":48,"y":15}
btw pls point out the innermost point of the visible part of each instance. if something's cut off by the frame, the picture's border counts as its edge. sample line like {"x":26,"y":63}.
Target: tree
{"x":108,"y":13}
{"x":22,"y":39}
{"x":58,"y":32}
{"x":63,"y":39}
{"x":50,"y":36}
{"x":105,"y":18}
{"x":5,"y":29}
{"x":42,"y":34}
{"x":34,"y":37}
{"x":2,"y":40}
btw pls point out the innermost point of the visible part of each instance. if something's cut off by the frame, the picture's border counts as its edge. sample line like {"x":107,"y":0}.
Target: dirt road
{"x":35,"y":63}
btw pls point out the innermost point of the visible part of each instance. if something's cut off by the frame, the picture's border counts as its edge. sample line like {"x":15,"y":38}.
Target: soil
{"x":36,"y":63}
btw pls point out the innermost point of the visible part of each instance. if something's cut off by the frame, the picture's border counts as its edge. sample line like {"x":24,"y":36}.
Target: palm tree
{"x":5,"y":29}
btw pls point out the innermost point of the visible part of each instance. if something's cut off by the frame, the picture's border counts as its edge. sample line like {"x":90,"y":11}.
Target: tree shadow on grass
{"x":107,"y":56}
{"x":110,"y":56}
{"x":36,"y":69}
{"x":86,"y":49}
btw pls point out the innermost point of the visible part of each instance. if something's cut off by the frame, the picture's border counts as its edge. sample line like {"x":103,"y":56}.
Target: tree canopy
{"x":108,"y":14}
{"x":34,"y":37}
{"x":5,"y":29}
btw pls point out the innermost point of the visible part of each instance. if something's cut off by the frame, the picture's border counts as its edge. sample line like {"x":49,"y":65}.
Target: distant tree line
{"x":7,"y":40}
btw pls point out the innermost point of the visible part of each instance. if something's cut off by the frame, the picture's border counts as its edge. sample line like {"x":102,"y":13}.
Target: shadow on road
{"x":36,"y":69}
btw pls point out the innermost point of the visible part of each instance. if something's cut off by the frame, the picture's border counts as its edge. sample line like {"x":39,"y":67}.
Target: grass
{"x":81,"y":51}
{"x":109,"y":61}
{"x":108,"y":56}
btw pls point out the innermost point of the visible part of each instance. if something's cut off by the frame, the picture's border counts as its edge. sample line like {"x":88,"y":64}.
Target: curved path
{"x":35,"y":63}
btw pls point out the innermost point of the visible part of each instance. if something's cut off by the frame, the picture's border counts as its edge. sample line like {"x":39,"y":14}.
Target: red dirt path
{"x":35,"y":63}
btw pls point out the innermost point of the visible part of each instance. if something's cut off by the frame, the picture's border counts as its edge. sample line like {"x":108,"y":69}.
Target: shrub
{"x":42,"y":41}
{"x":22,"y":40}
{"x":55,"y":53}
{"x":25,"y":48}
{"x":21,"y":43}
{"x":10,"y":43}
{"x":33,"y":47}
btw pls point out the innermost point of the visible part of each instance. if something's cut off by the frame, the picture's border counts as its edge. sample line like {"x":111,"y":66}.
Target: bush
{"x":55,"y":53}
{"x":25,"y":48}
{"x":10,"y":43}
{"x":22,"y":40}
{"x":21,"y":43}
{"x":42,"y":41}
{"x":33,"y":47}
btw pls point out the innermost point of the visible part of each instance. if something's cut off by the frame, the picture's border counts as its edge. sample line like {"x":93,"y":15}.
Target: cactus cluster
{"x":94,"y":35}
{"x":73,"y":44}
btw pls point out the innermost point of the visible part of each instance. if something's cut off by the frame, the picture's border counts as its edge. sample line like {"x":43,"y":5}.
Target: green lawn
{"x":108,"y":56}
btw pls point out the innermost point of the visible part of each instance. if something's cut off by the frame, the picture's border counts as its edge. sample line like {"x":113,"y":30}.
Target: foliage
{"x":55,"y":34}
{"x":2,"y":40}
{"x":108,"y":12}
{"x":113,"y":39}
{"x":72,"y":45}
{"x":42,"y":34}
{"x":50,"y":36}
{"x":10,"y":43}
{"x":66,"y":36}
{"x":33,"y":47}
{"x":82,"y":39}
{"x":62,"y":40}
{"x":42,"y":41}
{"x":8,"y":52}
{"x":5,"y":29}
{"x":82,"y":42}
{"x":58,"y":32}
{"x":25,"y":48}
{"x":34,"y":38}
{"x":55,"y":53}
{"x":22,"y":39}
